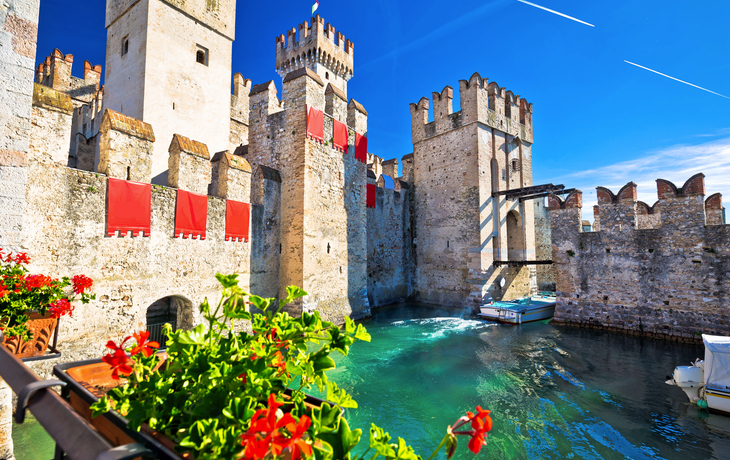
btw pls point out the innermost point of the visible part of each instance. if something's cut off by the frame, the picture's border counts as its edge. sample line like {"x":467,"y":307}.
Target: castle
{"x":162,"y":178}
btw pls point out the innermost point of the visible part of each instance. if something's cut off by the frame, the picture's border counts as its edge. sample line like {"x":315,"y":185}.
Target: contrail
{"x":676,"y":79}
{"x":555,"y":12}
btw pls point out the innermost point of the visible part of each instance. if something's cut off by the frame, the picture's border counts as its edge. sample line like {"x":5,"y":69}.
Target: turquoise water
{"x":553,"y":392}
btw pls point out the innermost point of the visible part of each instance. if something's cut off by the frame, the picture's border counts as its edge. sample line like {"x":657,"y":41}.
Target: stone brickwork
{"x":543,"y":247}
{"x":18,"y":32}
{"x":669,"y":279}
{"x":189,"y":165}
{"x":459,"y":160}
{"x":390,"y":248}
{"x":125,"y":147}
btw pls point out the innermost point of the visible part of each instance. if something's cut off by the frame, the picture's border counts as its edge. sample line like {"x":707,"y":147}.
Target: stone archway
{"x":515,"y":241}
{"x":174,"y":310}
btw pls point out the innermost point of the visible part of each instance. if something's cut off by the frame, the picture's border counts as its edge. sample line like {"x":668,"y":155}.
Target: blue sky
{"x":597,"y":119}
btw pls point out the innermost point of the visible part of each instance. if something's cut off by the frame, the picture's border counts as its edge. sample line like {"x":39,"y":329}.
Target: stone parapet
{"x":662,"y":277}
{"x":125,"y":147}
{"x":189,"y":165}
{"x":231,"y":177}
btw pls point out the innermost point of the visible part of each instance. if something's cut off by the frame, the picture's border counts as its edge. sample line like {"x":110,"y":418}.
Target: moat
{"x":554,"y":392}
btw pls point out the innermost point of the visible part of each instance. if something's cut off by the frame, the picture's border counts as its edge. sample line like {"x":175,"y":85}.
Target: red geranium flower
{"x":119,"y":361}
{"x":481,"y":423}
{"x":81,"y":283}
{"x":3,"y":291}
{"x":279,"y":363}
{"x":60,"y":308}
{"x":143,"y":346}
{"x":21,"y":258}
{"x":266,"y":434}
{"x":37,"y":281}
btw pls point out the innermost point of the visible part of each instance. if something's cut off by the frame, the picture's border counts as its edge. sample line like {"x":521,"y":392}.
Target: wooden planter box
{"x":87,"y":381}
{"x":43,"y":329}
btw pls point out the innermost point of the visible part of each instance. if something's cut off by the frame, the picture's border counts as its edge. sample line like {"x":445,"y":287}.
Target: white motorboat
{"x":707,"y":382}
{"x":520,"y":311}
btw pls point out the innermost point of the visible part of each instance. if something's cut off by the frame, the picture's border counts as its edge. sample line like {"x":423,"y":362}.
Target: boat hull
{"x":515,"y":313}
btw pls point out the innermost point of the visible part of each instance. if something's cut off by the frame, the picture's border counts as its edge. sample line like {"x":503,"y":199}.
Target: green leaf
{"x":340,"y":396}
{"x":194,"y":337}
{"x":293,"y":293}
{"x":405,"y":452}
{"x":362,"y":333}
{"x":349,"y":325}
{"x":322,"y":363}
{"x":380,"y":442}
{"x":227,"y":281}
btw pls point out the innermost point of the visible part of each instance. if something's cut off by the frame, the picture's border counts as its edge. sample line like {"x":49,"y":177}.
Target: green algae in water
{"x":31,"y":442}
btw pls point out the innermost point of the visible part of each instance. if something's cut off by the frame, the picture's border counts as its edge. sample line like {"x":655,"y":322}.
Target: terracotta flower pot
{"x":42,"y":328}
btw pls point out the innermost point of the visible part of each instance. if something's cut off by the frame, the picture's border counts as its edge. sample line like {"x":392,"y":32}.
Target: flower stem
{"x":443,"y":442}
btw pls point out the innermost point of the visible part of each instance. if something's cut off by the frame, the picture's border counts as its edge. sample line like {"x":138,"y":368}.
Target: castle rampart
{"x":666,"y":275}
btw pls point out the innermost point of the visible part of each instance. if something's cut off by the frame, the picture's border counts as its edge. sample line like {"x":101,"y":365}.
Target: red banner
{"x":238,"y":219}
{"x":315,"y":124}
{"x":361,"y":148}
{"x":340,"y":136}
{"x":191,"y":215}
{"x":372,"y":194}
{"x":129,"y":207}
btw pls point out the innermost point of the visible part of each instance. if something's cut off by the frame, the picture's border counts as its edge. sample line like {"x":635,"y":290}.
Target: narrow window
{"x":125,"y":45}
{"x":279,"y":249}
{"x":129,"y":173}
{"x":201,"y":55}
{"x":328,"y":248}
{"x":327,"y":75}
{"x":174,"y":106}
{"x":447,"y":243}
{"x":515,"y":165}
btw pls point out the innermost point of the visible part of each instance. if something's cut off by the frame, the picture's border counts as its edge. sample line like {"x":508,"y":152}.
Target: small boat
{"x":534,"y":308}
{"x":707,"y":382}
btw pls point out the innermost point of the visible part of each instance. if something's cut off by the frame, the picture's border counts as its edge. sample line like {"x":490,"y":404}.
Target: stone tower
{"x":460,"y":160}
{"x":323,"y":215}
{"x":319,"y":48}
{"x":168,"y":63}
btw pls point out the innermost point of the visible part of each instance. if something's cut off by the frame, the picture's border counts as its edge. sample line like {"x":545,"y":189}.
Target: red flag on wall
{"x":340,"y":136}
{"x":361,"y":148}
{"x":372,"y":193}
{"x":238,"y":219}
{"x":315,"y":124}
{"x":191,"y":215}
{"x":129,"y":206}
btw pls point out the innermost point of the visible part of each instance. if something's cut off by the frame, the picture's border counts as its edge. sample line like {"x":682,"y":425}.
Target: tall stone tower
{"x":168,"y":63}
{"x":319,"y":48}
{"x":323,"y":188}
{"x":462,"y":161}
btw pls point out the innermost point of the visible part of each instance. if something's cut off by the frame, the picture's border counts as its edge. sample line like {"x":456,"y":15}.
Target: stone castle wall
{"x":543,"y":247}
{"x":391,"y":252}
{"x":671,"y":280}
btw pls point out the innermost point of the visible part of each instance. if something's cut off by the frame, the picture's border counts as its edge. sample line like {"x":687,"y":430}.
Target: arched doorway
{"x":173,"y":310}
{"x":515,"y":244}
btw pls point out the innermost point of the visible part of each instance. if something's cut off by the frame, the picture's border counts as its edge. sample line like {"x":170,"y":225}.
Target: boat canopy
{"x":717,"y":361}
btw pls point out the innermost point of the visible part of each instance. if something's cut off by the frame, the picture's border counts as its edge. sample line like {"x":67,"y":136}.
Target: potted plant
{"x":31,"y":305}
{"x":217,"y":393}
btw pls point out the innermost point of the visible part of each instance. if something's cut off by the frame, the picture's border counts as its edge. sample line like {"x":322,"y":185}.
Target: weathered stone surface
{"x":125,"y":147}
{"x":6,"y":421}
{"x":669,"y":281}
{"x":460,"y":229}
{"x":189,"y":166}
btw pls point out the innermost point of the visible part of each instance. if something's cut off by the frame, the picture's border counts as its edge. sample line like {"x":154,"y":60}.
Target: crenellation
{"x":319,"y":48}
{"x":657,"y":277}
{"x":189,"y":165}
{"x":714,"y":210}
{"x":335,"y":103}
{"x":125,"y":147}
{"x":443,"y":109}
